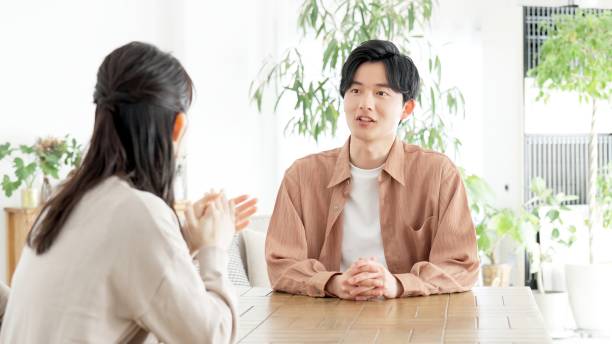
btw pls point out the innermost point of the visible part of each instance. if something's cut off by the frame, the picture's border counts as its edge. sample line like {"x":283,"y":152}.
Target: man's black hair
{"x":402,"y":74}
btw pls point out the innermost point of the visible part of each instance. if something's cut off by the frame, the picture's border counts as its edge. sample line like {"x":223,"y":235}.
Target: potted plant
{"x":48,"y":156}
{"x":546,"y":209}
{"x":576,"y":58}
{"x":493,"y":226}
{"x":496,"y":226}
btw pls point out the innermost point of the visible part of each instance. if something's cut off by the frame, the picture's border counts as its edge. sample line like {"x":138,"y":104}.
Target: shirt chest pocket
{"x":418,"y":237}
{"x":421,"y":225}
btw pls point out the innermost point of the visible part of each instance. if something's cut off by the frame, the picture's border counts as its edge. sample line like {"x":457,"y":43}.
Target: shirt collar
{"x":394,"y":165}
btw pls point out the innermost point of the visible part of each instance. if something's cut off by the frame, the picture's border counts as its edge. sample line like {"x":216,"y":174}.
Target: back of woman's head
{"x":138,"y":94}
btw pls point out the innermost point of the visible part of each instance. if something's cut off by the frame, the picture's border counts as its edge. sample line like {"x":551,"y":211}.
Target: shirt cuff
{"x":316,"y":284}
{"x":213,"y":262}
{"x":407,"y":281}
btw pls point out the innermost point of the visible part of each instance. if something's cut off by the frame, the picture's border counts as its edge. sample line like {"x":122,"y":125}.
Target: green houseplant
{"x":576,"y":58}
{"x":547,"y":209}
{"x":46,"y":156}
{"x":340,"y":26}
{"x":493,"y":226}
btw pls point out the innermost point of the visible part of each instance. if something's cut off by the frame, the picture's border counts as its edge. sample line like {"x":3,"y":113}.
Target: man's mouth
{"x":364,"y":118}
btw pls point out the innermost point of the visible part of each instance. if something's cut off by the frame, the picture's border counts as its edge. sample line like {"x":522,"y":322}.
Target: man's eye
{"x":382,"y":93}
{"x":354,"y":90}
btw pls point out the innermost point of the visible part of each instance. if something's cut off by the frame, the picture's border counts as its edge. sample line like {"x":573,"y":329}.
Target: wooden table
{"x":484,"y":315}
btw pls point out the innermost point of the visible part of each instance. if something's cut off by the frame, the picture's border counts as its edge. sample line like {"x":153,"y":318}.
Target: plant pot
{"x":589,"y":287}
{"x":497,"y":275}
{"x":30,"y":197}
{"x":555,"y":309}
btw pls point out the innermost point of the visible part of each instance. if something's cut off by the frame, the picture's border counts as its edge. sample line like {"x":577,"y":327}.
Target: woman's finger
{"x":232,"y":210}
{"x":246,"y":205}
{"x":245,"y":214}
{"x":189,"y":215}
{"x":240,"y":225}
{"x":239,"y":199}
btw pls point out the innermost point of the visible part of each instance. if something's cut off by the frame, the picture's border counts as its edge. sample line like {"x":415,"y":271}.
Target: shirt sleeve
{"x":186,"y":309}
{"x":159,"y":286}
{"x":289,"y":268}
{"x":453,"y":260}
{"x":4,"y":295}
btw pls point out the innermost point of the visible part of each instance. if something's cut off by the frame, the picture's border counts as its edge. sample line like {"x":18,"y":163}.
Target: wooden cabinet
{"x":18,"y":224}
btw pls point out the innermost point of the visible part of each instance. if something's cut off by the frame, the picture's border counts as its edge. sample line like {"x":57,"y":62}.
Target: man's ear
{"x":179,"y":126}
{"x":408,"y":108}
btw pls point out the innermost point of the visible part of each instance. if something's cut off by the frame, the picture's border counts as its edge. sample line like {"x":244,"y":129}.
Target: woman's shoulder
{"x":139,"y":210}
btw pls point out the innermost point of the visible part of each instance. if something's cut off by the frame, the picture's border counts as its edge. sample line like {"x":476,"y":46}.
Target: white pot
{"x":555,"y":309}
{"x":590,"y":294}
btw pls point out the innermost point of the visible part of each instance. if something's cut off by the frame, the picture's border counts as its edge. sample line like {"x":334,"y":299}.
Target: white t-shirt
{"x":361,"y":233}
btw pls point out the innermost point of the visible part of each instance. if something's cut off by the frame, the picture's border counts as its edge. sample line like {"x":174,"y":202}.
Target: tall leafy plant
{"x":340,"y":26}
{"x":545,"y":209}
{"x":576,"y":58}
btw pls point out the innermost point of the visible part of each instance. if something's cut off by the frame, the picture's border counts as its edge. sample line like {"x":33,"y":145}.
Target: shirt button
{"x":336,"y":208}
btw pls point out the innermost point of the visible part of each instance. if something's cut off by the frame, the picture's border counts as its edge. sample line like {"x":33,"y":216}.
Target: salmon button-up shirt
{"x":427,"y":231}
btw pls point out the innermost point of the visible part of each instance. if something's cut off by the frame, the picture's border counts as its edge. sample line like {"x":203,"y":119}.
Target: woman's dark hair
{"x":138,"y":94}
{"x":402,"y":74}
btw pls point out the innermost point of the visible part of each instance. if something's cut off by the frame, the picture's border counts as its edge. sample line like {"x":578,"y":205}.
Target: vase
{"x":30,"y":197}
{"x":555,"y":309}
{"x":589,"y":286}
{"x":45,"y":190}
{"x":497,"y":275}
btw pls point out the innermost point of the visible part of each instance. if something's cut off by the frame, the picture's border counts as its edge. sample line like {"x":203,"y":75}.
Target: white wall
{"x":50,"y":54}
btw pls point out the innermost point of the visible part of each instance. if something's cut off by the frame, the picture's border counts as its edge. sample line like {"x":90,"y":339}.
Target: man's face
{"x":373,"y":110}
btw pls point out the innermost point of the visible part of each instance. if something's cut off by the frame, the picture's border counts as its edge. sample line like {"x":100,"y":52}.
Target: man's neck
{"x":370,"y":154}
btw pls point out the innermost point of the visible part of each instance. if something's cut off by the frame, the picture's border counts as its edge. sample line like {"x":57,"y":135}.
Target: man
{"x":377,"y":217}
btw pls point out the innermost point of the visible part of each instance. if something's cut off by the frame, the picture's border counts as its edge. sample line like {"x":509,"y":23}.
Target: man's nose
{"x":366,"y":102}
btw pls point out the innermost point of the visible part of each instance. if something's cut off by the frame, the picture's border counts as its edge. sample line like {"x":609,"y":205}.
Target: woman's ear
{"x":408,"y":108}
{"x":179,"y":126}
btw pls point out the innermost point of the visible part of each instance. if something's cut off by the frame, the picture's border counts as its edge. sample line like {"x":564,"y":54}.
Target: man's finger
{"x":364,"y":276}
{"x":376,"y":292}
{"x":358,"y":290}
{"x":371,"y":282}
{"x":368,"y":267}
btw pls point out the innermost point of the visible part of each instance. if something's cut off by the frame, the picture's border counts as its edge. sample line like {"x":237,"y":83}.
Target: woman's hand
{"x":245,"y":207}
{"x":215,"y":227}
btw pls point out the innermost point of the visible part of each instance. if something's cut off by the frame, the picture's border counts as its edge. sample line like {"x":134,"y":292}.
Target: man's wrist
{"x":330,"y":286}
{"x":399,"y":286}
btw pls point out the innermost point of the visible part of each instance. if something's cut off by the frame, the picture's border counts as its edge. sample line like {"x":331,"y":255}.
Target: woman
{"x":107,"y":260}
